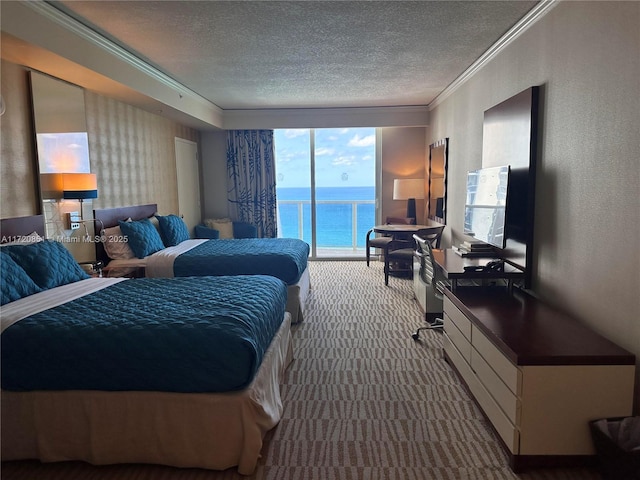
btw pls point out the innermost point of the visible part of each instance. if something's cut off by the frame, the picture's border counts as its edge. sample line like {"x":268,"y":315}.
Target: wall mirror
{"x":437,"y":186}
{"x":62,"y":148}
{"x":60,"y":125}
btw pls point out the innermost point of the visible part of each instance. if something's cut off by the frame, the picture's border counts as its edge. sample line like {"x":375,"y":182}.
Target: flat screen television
{"x":486,"y":204}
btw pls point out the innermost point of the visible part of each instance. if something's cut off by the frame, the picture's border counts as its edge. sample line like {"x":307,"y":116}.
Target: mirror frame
{"x":61,"y":145}
{"x":433,"y":148}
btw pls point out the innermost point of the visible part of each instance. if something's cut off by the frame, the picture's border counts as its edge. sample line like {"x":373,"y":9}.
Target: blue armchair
{"x":240,"y":230}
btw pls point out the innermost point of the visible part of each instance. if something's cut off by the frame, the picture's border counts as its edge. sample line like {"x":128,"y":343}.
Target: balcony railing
{"x":341,"y":225}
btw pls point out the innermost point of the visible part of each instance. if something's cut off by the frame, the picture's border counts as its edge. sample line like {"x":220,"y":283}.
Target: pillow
{"x":116,"y":244}
{"x":33,"y":237}
{"x":48,"y":263}
{"x":142,"y":236}
{"x":173,"y":230}
{"x":154,"y":221}
{"x":223,"y":225}
{"x":16,"y":284}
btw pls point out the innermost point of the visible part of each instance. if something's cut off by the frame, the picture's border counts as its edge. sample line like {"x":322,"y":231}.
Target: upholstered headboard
{"x":109,"y":217}
{"x":12,"y":228}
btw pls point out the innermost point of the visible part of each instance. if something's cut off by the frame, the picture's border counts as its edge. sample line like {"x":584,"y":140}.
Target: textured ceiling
{"x":306,"y":54}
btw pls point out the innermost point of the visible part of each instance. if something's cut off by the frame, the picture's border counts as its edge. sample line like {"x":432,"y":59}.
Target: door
{"x":326,"y":188}
{"x":188,"y":174}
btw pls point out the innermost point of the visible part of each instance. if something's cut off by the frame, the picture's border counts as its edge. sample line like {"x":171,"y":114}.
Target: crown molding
{"x":70,"y":24}
{"x":535,"y":14}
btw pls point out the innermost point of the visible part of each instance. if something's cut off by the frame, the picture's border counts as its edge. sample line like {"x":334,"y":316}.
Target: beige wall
{"x":133,"y":154}
{"x":132,"y":151}
{"x":587,"y":227}
{"x":214,"y":174}
{"x":403,"y":156}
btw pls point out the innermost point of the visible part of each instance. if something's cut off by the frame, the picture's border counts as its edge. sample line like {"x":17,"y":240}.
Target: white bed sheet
{"x":157,"y":265}
{"x":160,"y":264}
{"x":38,"y":302}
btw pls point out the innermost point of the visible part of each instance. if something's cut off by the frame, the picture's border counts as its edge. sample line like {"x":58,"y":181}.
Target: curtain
{"x":252,"y":179}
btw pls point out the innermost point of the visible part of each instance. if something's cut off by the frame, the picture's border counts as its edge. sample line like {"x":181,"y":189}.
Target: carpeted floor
{"x":362,"y":399}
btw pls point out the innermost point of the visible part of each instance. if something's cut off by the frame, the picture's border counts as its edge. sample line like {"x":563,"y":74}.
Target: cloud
{"x":324,"y":151}
{"x":343,"y":161}
{"x":367,"y":141}
{"x":295,"y":132}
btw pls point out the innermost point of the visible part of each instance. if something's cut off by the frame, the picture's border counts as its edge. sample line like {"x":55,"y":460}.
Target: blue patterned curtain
{"x":252,"y":179}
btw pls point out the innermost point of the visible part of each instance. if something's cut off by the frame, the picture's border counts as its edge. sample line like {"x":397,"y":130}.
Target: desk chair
{"x":381,"y":242}
{"x":400,"y":251}
{"x":435,"y":281}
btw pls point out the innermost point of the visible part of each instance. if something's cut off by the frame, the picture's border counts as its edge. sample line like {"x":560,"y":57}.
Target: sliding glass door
{"x":326,"y":188}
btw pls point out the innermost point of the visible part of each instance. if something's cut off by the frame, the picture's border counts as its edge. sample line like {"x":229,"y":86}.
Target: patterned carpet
{"x":362,"y":399}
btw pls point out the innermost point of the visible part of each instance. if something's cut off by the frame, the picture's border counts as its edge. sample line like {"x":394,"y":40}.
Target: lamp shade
{"x":51,"y":185}
{"x":79,"y":186}
{"x":406,"y":188}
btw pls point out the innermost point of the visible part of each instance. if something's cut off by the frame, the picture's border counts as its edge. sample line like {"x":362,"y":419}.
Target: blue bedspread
{"x":284,"y":258}
{"x":179,"y":335}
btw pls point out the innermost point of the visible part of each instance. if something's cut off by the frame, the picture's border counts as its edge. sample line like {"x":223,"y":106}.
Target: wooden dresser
{"x":538,"y":375}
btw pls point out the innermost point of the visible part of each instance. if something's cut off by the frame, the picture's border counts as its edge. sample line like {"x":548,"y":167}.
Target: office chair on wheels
{"x":435,"y":282}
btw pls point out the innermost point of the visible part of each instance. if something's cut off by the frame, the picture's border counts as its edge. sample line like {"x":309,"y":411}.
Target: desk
{"x":394,"y":229}
{"x":452,"y":266}
{"x":406,"y":245}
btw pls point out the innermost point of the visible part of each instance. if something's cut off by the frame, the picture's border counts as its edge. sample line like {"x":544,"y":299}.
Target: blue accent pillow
{"x":173,"y":230}
{"x":16,"y":283}
{"x":142,"y":236}
{"x":48,"y":263}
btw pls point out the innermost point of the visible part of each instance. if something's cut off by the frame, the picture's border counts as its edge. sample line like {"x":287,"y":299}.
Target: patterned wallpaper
{"x":133,"y":154}
{"x":132,"y":151}
{"x":18,"y":194}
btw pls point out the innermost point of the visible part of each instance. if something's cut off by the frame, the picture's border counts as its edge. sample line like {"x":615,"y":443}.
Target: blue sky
{"x":345,"y":157}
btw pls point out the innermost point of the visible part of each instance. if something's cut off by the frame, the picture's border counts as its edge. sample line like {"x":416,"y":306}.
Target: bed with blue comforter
{"x":173,"y":335}
{"x":284,"y":258}
{"x":179,"y":371}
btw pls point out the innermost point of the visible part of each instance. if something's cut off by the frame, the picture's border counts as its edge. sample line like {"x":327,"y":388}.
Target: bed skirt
{"x":297,"y":297}
{"x":213,"y":431}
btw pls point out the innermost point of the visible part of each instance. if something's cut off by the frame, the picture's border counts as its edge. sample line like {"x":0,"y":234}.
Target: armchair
{"x":401,"y":251}
{"x":382,"y":242}
{"x":240,"y":230}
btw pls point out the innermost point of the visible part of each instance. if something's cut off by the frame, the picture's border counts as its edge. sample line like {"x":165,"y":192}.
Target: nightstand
{"x":93,"y":269}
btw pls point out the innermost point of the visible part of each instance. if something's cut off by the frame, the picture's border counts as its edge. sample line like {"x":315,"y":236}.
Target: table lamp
{"x":409,"y":189}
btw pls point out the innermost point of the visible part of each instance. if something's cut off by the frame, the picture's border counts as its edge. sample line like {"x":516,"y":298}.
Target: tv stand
{"x":538,"y":375}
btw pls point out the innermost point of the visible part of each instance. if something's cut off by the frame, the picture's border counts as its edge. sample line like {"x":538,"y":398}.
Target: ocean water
{"x":336,"y":208}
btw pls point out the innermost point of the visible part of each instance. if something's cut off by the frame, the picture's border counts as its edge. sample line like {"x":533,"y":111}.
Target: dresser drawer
{"x":505,"y":428}
{"x":457,"y":338}
{"x":505,"y":398}
{"x":498,"y":419}
{"x":458,"y":318}
{"x":501,"y":365}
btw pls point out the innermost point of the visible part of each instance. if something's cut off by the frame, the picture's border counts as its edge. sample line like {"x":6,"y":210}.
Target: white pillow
{"x":223,"y":225}
{"x":154,"y":221}
{"x":116,"y":245}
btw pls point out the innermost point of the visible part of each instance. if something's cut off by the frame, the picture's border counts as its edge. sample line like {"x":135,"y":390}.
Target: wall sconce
{"x":409,"y":189}
{"x":79,"y":186}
